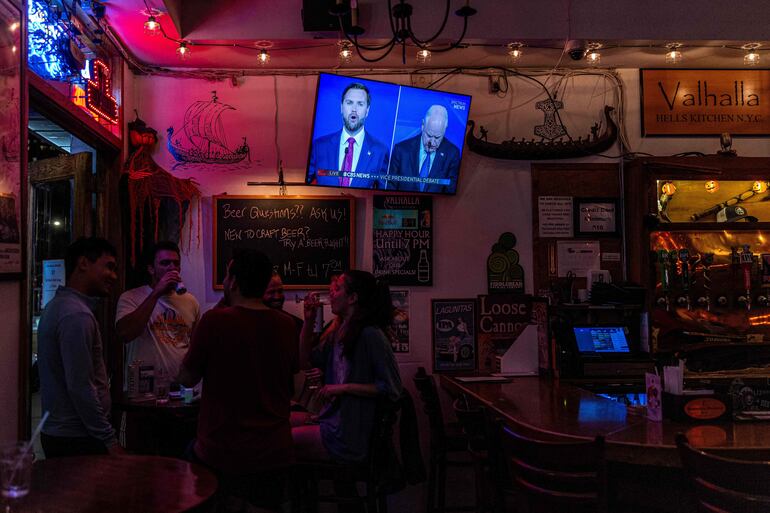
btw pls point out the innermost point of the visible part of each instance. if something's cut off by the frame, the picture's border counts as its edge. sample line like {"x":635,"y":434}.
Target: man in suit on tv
{"x":427,"y":155}
{"x":350,"y":149}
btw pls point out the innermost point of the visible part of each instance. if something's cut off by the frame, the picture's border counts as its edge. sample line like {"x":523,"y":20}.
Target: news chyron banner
{"x":403,"y":240}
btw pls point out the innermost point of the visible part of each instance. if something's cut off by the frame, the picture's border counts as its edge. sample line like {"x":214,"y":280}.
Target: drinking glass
{"x":314,"y":383}
{"x":15,"y":470}
{"x":161,"y":388}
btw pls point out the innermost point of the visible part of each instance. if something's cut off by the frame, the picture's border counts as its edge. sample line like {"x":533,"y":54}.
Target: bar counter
{"x":550,"y":408}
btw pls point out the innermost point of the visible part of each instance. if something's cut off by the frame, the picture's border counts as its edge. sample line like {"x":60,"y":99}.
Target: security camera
{"x":576,"y":49}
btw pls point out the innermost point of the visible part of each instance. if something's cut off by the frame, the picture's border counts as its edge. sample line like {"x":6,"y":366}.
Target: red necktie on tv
{"x":347,"y":162}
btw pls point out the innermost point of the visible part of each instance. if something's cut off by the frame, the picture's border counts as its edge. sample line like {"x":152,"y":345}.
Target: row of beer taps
{"x":678,"y":262}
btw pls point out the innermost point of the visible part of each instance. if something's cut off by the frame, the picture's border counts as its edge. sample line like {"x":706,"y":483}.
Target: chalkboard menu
{"x":308,"y":238}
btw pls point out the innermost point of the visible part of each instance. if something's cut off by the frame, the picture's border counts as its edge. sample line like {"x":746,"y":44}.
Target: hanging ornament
{"x":551,"y":128}
{"x":712,"y":186}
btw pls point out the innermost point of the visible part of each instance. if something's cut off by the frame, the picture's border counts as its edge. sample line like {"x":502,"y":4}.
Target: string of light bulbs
{"x":673,"y":52}
{"x":592,"y":54}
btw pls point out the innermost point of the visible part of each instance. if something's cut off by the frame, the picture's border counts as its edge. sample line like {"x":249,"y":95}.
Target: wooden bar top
{"x":551,"y":408}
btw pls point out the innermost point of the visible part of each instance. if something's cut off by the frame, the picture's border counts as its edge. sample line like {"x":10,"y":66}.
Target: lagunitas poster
{"x":705,"y":102}
{"x":403,"y":240}
{"x":454,"y":334}
{"x":500,"y":318}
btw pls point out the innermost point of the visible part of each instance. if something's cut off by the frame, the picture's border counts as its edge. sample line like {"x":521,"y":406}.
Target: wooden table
{"x":545,"y":407}
{"x":162,"y":429}
{"x":117,"y":484}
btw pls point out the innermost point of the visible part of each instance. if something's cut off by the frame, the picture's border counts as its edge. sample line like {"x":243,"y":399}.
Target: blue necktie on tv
{"x":425,"y":170}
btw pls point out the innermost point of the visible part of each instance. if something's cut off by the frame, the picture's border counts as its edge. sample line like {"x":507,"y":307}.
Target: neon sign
{"x":48,"y":43}
{"x":98,"y":97}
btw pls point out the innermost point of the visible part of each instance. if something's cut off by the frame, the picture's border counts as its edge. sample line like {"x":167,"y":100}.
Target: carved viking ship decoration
{"x":551,"y":144}
{"x":201,"y":139}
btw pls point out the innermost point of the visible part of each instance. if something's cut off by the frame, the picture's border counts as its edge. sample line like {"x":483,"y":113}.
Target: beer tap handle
{"x":664,"y":270}
{"x":684,"y":258}
{"x":708,"y":259}
{"x":746,"y":261}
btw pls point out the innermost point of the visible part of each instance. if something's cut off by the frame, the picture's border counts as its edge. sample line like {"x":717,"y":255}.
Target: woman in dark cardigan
{"x":358,"y":367}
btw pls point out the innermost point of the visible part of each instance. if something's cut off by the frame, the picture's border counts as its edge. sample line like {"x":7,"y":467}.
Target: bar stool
{"x":499,"y":491}
{"x":557,"y":477}
{"x":725,"y":485}
{"x":445,"y":439}
{"x":472,"y":420}
{"x":381,"y":473}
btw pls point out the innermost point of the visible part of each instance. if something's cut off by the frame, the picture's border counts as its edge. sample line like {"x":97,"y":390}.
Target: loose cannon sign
{"x":500,"y":319}
{"x":307,"y":239}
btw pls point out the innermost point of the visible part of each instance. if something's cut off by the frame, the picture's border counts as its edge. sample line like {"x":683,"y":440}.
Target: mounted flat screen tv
{"x":376,"y":135}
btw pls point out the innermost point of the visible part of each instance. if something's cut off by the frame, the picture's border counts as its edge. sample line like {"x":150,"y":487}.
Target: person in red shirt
{"x":246,"y":354}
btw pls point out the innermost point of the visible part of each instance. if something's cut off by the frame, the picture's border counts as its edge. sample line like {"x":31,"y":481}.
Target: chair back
{"x":471,"y":419}
{"x":431,"y":405}
{"x":383,"y":465}
{"x":725,"y":485}
{"x":559,"y":476}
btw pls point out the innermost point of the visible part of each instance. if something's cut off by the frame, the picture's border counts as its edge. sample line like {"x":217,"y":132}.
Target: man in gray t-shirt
{"x":156,"y":320}
{"x":73,"y":380}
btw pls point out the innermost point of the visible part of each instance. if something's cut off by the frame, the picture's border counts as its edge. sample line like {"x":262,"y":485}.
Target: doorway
{"x":61,"y":210}
{"x":70,"y":188}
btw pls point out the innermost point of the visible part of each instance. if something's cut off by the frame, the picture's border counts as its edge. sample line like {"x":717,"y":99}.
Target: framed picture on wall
{"x":11,"y":91}
{"x":454,"y":334}
{"x":596,"y":217}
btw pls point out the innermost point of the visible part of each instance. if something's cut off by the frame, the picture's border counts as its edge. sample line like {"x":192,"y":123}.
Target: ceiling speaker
{"x":316,"y":17}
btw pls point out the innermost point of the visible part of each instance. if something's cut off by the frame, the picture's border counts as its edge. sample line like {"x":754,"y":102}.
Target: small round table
{"x":130,"y":484}
{"x":162,"y":429}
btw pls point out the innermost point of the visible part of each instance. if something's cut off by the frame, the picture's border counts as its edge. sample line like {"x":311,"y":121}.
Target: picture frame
{"x":596,"y":217}
{"x":12,"y":94}
{"x":454,"y":343}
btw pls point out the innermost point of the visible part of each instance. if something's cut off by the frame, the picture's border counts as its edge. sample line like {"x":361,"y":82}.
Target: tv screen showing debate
{"x":376,"y":135}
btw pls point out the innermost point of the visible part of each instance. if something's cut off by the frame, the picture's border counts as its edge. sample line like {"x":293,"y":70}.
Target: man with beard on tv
{"x":350,"y":149}
{"x":429,"y":158}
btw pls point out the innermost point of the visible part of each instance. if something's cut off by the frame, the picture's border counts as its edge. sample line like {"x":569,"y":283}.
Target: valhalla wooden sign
{"x":705,"y":102}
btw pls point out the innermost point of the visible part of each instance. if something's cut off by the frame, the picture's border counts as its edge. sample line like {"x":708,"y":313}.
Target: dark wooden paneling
{"x":578,"y":181}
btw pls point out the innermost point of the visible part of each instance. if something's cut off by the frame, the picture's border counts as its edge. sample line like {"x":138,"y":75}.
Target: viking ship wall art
{"x":201,"y":139}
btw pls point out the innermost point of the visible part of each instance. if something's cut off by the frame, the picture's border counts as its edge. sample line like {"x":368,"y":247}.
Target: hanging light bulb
{"x":14,"y":26}
{"x":263,"y":58}
{"x":673,"y":55}
{"x":423,"y":55}
{"x":515,"y":51}
{"x":752,"y":55}
{"x":593,"y":57}
{"x":151,"y":26}
{"x":345,"y":54}
{"x":183,"y":51}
